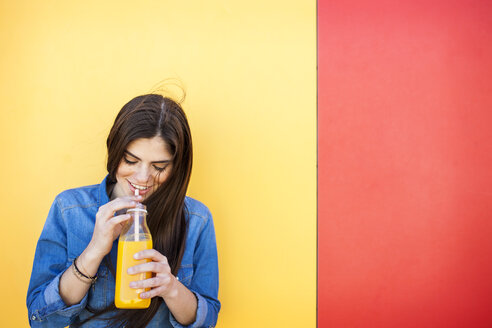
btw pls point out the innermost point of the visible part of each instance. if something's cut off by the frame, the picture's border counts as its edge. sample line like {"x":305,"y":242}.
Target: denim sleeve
{"x":205,"y":281}
{"x":44,"y":304}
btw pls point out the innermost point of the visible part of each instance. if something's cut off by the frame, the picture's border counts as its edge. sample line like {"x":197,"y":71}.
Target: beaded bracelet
{"x":79,"y":274}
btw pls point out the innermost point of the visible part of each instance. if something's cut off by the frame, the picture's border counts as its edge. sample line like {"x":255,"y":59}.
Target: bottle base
{"x":135,"y":304}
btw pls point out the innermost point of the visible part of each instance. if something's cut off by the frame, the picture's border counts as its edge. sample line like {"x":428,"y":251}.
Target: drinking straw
{"x":136,"y":218}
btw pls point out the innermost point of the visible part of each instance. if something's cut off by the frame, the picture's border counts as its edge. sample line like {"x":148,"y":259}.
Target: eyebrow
{"x":157,"y":162}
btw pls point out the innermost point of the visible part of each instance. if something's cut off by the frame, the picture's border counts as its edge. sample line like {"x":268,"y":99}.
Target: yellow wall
{"x":249,"y":68}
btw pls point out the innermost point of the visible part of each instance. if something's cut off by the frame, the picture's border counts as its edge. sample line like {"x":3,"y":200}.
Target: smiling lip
{"x":140,"y":191}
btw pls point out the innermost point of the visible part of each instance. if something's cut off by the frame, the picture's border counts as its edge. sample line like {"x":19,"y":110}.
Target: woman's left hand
{"x":163,"y":284}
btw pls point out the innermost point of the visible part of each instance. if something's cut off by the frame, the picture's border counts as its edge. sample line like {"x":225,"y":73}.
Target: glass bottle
{"x":134,"y":237}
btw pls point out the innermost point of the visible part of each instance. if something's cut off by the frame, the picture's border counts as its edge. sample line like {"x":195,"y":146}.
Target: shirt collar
{"x":102,"y":194}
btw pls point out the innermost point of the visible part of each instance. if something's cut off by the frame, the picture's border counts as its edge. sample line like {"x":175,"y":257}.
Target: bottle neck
{"x":136,"y":229}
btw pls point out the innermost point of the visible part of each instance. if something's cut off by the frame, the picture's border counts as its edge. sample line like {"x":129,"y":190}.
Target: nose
{"x":142,"y":174}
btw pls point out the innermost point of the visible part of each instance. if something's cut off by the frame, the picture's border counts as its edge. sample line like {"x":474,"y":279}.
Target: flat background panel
{"x":249,"y":70}
{"x":405,"y":156}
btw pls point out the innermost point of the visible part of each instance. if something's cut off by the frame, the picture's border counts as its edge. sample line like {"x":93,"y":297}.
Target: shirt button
{"x":33,"y":317}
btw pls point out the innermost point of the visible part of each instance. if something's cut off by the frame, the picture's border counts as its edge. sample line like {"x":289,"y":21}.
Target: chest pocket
{"x":185,"y":274}
{"x":98,"y":293}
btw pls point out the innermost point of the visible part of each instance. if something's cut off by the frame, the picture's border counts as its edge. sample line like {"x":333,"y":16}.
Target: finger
{"x":119,"y":219}
{"x":153,"y":292}
{"x":123,"y":202}
{"x":156,"y":267}
{"x":108,"y":210}
{"x":152,"y":254}
{"x":131,"y":197}
{"x":151,"y":282}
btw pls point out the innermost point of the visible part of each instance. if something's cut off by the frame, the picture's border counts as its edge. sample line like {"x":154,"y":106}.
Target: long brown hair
{"x":149,"y":116}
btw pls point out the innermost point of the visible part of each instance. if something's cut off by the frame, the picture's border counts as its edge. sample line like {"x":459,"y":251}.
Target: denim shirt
{"x":68,"y":231}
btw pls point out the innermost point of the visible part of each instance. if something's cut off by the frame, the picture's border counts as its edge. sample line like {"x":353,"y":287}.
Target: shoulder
{"x":198,"y":214}
{"x":197,"y":208}
{"x":86,"y":196}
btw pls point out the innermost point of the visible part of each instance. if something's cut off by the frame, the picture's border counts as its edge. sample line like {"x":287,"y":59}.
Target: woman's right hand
{"x":108,"y":227}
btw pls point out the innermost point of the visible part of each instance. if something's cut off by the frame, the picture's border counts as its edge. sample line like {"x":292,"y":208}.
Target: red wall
{"x":405,"y":163}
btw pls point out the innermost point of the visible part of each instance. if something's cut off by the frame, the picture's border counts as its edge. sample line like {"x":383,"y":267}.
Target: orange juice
{"x":126,"y":297}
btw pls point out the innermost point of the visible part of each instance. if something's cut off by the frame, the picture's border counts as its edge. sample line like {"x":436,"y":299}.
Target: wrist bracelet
{"x":77,"y":274}
{"x":80,"y":274}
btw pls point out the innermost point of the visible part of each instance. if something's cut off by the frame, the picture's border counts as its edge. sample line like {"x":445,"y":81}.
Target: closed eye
{"x":127,"y":161}
{"x":160,"y":169}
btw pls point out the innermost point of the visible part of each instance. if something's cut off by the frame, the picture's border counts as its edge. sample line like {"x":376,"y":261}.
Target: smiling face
{"x":145,"y":165}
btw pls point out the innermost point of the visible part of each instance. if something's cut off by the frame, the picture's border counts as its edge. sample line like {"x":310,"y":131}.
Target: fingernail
{"x":130,"y":271}
{"x":133,"y":284}
{"x":135,"y":256}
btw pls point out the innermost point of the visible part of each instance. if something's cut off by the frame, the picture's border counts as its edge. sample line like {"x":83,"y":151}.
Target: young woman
{"x":73,"y":277}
